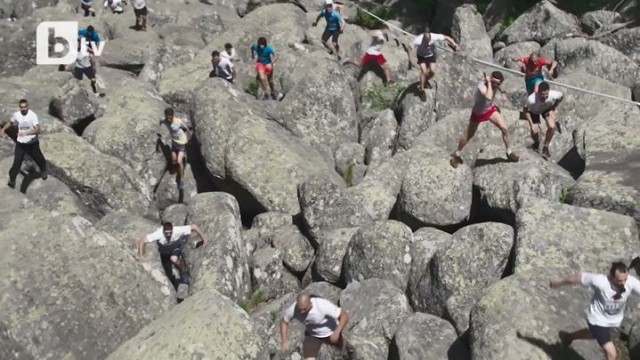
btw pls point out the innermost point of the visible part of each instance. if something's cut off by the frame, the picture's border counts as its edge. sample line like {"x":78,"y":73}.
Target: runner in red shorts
{"x":484,"y":110}
{"x":373,"y":58}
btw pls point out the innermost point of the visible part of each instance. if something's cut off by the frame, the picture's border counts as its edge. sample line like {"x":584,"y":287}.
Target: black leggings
{"x":34,"y":152}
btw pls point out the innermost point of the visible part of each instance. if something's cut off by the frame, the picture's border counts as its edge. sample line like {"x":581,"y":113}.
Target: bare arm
{"x":142,"y":243}
{"x":5,"y":127}
{"x":451,"y":42}
{"x":572,"y":280}
{"x":489,"y":93}
{"x":197,"y":230}
{"x":274,"y":58}
{"x":284,"y":336}
{"x":553,"y":66}
{"x":34,"y":131}
{"x":343,"y":320}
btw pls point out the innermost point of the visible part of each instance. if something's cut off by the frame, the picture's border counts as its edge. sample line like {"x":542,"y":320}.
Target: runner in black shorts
{"x":335,"y":27}
{"x":140,"y":10}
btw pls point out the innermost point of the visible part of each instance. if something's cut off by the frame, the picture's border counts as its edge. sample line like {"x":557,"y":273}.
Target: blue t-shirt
{"x":333,"y":19}
{"x":264,"y":54}
{"x":94,"y":37}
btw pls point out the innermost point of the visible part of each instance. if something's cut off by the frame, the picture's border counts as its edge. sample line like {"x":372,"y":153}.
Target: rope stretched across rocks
{"x":495,"y":66}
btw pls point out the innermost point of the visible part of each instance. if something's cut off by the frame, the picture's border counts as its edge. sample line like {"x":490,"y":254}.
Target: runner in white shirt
{"x":544,"y":102}
{"x":606,"y":311}
{"x":324,"y":323}
{"x":373,"y":58}
{"x":425,"y":47}
{"x":170,"y":248}
{"x":85,"y":65}
{"x":140,"y":10}
{"x":26,"y":141}
{"x":115,"y":5}
{"x":229,"y":53}
{"x":222,"y":67}
{"x":484,"y":110}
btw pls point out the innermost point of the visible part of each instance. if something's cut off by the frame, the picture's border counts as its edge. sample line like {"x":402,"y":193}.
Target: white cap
{"x":328,"y":2}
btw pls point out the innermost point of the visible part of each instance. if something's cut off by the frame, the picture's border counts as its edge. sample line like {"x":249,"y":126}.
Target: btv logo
{"x":65,"y":39}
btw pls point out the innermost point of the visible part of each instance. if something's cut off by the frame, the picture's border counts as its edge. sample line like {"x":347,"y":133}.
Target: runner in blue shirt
{"x":90,"y":34}
{"x":335,"y":27}
{"x":265,"y":57}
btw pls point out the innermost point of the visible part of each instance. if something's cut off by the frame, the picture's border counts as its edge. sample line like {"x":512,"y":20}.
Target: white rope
{"x":495,"y":66}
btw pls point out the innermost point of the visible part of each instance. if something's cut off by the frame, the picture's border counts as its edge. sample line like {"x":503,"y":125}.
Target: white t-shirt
{"x":426,"y":51}
{"x":83,"y":60}
{"x":25,"y":123}
{"x":481,"y":104}
{"x":604,"y":310}
{"x":536,"y":106}
{"x":225,"y":55}
{"x":224,"y":69}
{"x":178,"y":233}
{"x":139,"y":4}
{"x":320,"y":321}
{"x":375,"y":48}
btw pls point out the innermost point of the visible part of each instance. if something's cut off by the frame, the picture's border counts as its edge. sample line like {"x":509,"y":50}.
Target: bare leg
{"x":432,"y":72}
{"x":535,"y":134}
{"x":329,"y":46}
{"x":387,"y":71}
{"x":270,"y":81}
{"x":180,"y":175}
{"x":264,"y":82}
{"x":610,"y":351}
{"x":551,"y":128}
{"x":456,"y":159}
{"x":497,"y":120}
{"x":423,"y":75}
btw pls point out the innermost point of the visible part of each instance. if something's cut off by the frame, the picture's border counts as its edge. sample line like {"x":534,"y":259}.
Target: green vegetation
{"x":566,"y":197}
{"x":252,"y":87}
{"x":367,"y":21}
{"x":384,"y":97}
{"x":256,"y":299}
{"x":348,"y":176}
{"x":275,"y":314}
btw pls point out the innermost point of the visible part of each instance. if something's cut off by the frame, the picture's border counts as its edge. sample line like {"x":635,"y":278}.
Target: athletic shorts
{"x":600,"y":333}
{"x":172,"y":249}
{"x":427,"y":60}
{"x":266,"y":69}
{"x":311,"y":345}
{"x":140,"y":12}
{"x":484,"y":117}
{"x":536,"y":117}
{"x":86,"y":8}
{"x":176,"y":148}
{"x":378,"y":59}
{"x":89,"y":72}
{"x":331,"y":34}
{"x":531,"y":83}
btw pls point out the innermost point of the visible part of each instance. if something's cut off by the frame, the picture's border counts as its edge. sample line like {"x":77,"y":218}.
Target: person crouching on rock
{"x":170,"y":248}
{"x":532,"y":66}
{"x":180,"y":136}
{"x":373,"y":57}
{"x":84,"y":66}
{"x":606,"y":311}
{"x":542,"y":103}
{"x":484,"y":110}
{"x":324,"y":323}
{"x":222,"y":67}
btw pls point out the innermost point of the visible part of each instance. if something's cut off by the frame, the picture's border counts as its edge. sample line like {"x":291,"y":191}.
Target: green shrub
{"x":348,"y":175}
{"x":256,"y":299}
{"x":252,"y":87}
{"x":566,"y":197}
{"x":367,"y":21}
{"x":384,"y":97}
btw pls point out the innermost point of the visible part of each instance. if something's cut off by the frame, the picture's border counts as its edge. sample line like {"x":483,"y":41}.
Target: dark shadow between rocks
{"x":459,"y":350}
{"x":555,"y":351}
{"x":494,"y":161}
{"x":207,"y":182}
{"x":573,"y":163}
{"x":81,"y":124}
{"x":134,"y":69}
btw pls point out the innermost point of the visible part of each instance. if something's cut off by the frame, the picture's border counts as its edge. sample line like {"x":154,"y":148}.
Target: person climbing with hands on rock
{"x":426,"y":56}
{"x":335,"y":27}
{"x":606,"y":312}
{"x":542,"y":103}
{"x":265,"y":57}
{"x":170,"y":246}
{"x":532,"y":66}
{"x":324,"y":322}
{"x":484,"y":110}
